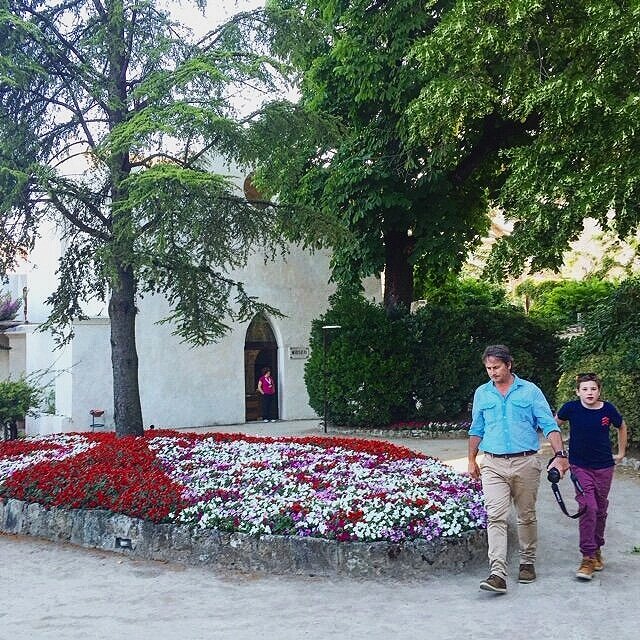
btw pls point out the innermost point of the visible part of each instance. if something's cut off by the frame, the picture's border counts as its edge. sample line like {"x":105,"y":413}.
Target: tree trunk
{"x":398,"y":271}
{"x":124,"y":356}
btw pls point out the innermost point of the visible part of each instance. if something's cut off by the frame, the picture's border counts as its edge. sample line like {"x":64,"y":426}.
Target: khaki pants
{"x":505,"y":480}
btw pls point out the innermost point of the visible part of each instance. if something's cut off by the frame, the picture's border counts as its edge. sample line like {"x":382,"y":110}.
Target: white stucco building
{"x":180,"y":385}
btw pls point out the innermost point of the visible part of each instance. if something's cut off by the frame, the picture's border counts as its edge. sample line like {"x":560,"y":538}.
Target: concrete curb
{"x":145,"y":540}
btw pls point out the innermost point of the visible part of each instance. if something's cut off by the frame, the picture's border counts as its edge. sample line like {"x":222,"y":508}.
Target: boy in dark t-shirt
{"x":592,"y":463}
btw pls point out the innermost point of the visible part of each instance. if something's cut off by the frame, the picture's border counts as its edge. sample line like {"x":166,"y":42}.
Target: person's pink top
{"x":268,"y":388}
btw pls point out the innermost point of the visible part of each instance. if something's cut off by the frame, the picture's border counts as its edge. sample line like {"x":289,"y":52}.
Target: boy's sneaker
{"x":586,"y":569}
{"x":526,"y":574}
{"x":494,"y":583}
{"x":598,"y":564}
{"x":265,"y":421}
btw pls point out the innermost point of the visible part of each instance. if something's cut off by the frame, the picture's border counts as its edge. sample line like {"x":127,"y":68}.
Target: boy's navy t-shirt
{"x":589,"y":444}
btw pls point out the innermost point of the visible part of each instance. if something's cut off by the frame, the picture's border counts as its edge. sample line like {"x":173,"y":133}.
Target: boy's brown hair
{"x":588,"y":377}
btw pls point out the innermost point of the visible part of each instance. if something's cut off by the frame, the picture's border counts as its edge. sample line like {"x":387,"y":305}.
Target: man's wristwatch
{"x":560,"y":454}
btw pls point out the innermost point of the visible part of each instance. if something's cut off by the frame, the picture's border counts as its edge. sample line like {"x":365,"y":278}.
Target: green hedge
{"x":449,"y":342}
{"x":417,"y":367}
{"x":368,"y":365}
{"x":612,"y":325}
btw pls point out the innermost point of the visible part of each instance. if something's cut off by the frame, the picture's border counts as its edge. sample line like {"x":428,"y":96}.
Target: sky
{"x":216,"y":12}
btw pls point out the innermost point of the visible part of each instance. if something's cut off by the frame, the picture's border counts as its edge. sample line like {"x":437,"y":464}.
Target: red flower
{"x":120,"y":475}
{"x":22,"y":447}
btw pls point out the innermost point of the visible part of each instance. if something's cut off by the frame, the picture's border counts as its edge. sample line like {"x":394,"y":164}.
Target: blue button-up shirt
{"x":508,"y":424}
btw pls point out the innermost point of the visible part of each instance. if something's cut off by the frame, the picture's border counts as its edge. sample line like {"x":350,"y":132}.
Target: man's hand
{"x":561,"y":464}
{"x":474,"y":469}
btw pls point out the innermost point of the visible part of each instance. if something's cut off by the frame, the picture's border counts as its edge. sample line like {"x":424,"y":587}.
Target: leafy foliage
{"x":612,"y":325}
{"x":368,"y":364}
{"x":463,"y":292}
{"x":567,"y":74}
{"x":560,"y":301}
{"x":18,"y":398}
{"x":449,"y":341}
{"x":341,"y":156}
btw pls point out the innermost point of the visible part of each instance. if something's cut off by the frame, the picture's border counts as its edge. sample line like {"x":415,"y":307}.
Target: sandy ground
{"x":53,"y":591}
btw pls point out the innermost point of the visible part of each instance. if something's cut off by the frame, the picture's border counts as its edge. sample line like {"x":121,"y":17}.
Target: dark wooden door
{"x":260,"y":350}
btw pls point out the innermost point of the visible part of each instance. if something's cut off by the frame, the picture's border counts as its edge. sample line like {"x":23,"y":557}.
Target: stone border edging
{"x":425,"y":434}
{"x":631,"y":463}
{"x":100,"y":529}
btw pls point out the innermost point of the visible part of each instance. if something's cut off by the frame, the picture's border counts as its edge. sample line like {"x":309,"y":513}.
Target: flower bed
{"x":335,"y":488}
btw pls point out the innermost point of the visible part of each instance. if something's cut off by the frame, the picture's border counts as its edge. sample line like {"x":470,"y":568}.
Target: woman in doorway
{"x":267,"y":389}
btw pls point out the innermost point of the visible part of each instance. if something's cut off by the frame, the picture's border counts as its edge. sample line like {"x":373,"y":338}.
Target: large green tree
{"x":382,"y":197}
{"x":108,"y":113}
{"x":570,"y":71}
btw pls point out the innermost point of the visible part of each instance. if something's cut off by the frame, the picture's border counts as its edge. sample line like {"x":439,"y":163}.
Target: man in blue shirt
{"x":507,"y":412}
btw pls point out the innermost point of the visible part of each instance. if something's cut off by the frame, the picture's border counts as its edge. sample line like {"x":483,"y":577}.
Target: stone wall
{"x":140,"y":539}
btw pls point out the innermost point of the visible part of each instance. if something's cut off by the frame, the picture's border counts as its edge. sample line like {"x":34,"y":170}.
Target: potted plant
{"x":18,"y":399}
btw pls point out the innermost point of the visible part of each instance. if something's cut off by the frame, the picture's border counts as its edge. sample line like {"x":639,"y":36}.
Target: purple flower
{"x":8,"y":307}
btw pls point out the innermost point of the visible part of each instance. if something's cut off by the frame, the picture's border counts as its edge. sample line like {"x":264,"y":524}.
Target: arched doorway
{"x":260,"y":350}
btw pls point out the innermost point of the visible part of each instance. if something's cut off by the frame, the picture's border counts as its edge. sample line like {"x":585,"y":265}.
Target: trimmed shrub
{"x":614,"y":324}
{"x":368,"y":366}
{"x":462,"y":292}
{"x":448,"y":366}
{"x":417,"y":367}
{"x":18,"y":398}
{"x":450,"y":341}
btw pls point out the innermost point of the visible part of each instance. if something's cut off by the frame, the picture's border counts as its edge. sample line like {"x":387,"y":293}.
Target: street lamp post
{"x":325,"y":371}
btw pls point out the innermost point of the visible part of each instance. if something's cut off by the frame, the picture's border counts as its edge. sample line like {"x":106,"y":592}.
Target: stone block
{"x":13,"y":517}
{"x":314,"y":556}
{"x":60,"y":524}
{"x":36,"y":520}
